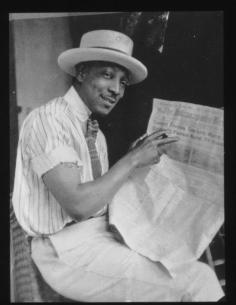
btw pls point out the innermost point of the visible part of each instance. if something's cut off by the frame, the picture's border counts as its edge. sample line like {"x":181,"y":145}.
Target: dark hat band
{"x":112,"y":49}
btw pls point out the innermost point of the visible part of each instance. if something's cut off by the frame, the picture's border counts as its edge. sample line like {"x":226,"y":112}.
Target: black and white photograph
{"x":117,"y":187}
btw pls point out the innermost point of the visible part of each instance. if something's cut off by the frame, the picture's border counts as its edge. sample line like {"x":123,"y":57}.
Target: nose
{"x":115,"y":87}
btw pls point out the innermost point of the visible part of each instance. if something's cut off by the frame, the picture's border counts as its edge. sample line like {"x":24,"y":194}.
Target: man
{"x":61,"y":200}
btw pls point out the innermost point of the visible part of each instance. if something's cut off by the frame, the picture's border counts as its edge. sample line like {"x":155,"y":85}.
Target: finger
{"x":165,"y":141}
{"x":133,"y":144}
{"x":156,"y":134}
{"x":157,"y":157}
{"x":142,"y":137}
{"x":139,"y":140}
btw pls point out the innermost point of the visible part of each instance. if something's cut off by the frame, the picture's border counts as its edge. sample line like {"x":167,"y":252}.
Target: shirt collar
{"x":73,"y":98}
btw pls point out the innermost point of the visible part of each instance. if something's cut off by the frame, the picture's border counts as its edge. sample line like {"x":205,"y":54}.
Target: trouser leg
{"x":116,"y":274}
{"x":201,"y":283}
{"x":101,"y":269}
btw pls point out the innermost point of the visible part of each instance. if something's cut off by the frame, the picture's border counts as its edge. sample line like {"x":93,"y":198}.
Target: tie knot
{"x":92,"y":128}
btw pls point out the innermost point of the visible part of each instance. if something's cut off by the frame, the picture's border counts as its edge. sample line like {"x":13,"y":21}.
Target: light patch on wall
{"x":37,"y":44}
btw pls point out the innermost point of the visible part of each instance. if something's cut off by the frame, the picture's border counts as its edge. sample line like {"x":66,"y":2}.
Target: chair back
{"x":27,"y":284}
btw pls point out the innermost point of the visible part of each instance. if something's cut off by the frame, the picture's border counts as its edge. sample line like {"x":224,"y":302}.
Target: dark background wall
{"x":190,"y":69}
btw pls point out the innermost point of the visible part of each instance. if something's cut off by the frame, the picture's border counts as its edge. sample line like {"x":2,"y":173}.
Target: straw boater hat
{"x":104,"y":45}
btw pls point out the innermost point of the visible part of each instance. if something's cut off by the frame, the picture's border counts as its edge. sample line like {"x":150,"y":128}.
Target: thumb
{"x":138,"y":141}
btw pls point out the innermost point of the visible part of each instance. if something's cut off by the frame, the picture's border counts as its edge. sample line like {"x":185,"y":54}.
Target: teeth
{"x":109,"y":100}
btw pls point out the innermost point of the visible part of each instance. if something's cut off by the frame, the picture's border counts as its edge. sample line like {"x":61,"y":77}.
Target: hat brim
{"x":69,"y":58}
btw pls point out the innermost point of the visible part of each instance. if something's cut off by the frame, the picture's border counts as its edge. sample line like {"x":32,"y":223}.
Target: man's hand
{"x":147,"y":149}
{"x":143,"y":137}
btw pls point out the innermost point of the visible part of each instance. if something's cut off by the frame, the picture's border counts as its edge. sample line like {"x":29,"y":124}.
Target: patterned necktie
{"x":92,"y":129}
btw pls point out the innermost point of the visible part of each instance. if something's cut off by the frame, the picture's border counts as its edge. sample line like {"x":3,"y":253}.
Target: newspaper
{"x":171,"y":211}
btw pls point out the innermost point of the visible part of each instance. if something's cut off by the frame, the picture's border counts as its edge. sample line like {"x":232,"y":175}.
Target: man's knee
{"x":205,"y":285}
{"x":205,"y":271}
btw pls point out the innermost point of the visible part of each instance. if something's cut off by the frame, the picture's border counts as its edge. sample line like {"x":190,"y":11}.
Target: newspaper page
{"x":171,"y":211}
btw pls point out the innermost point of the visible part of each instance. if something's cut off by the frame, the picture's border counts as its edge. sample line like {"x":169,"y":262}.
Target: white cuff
{"x":43,"y":163}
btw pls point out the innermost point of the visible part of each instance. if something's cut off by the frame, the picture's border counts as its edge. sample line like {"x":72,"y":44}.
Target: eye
{"x":107,"y":75}
{"x":124,"y":83}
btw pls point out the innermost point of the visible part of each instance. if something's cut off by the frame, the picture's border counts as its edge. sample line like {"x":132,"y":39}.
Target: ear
{"x":80,"y":77}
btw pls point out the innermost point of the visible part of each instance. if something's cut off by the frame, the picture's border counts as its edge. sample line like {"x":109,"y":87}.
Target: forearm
{"x":82,"y":200}
{"x":92,"y":196}
{"x":95,"y":194}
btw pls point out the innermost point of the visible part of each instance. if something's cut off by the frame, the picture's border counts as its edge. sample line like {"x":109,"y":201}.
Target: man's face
{"x":102,"y":86}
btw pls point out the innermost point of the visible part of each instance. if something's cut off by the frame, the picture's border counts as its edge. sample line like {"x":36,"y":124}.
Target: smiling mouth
{"x":109,"y":100}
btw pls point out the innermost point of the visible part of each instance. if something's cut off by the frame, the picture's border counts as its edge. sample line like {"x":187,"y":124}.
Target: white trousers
{"x":84,"y":262}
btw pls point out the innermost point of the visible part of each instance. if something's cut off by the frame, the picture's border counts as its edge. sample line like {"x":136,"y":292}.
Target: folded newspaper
{"x":171,"y":211}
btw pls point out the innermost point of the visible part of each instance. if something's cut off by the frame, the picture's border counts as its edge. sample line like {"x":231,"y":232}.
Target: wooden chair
{"x":27,"y":284}
{"x":214,"y":256}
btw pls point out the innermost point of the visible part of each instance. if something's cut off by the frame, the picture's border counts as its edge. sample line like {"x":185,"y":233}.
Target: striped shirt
{"x":51,"y":134}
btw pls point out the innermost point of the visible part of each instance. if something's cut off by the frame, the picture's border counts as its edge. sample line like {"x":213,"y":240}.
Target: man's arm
{"x":82,"y":200}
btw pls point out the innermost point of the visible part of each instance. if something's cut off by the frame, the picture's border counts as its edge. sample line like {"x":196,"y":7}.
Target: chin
{"x":102,"y":113}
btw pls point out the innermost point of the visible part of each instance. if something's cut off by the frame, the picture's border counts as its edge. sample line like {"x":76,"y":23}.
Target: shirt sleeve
{"x":47,"y":141}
